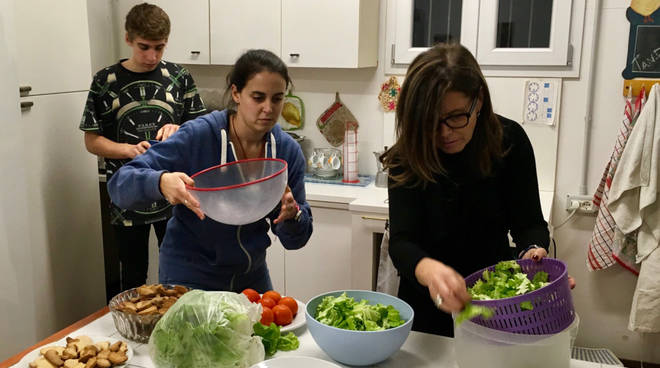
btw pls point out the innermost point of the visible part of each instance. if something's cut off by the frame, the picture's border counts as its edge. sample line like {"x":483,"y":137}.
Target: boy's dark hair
{"x":147,"y":21}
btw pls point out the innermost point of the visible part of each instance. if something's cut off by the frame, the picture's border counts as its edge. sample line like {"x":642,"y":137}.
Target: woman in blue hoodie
{"x":199,"y":252}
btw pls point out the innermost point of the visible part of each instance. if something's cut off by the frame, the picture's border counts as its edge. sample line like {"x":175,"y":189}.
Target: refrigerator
{"x":51,"y":252}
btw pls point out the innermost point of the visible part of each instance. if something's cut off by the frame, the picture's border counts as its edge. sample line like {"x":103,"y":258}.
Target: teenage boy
{"x":131,"y":104}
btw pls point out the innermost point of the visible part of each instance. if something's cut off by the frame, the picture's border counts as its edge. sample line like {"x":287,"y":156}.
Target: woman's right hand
{"x":446,"y":286}
{"x":173,"y":188}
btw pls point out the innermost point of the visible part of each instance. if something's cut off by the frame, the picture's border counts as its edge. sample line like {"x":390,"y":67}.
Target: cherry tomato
{"x":267,"y":316}
{"x":273,"y":295}
{"x":267,"y":302}
{"x":289,"y":302}
{"x":283,"y":315}
{"x":252,"y":295}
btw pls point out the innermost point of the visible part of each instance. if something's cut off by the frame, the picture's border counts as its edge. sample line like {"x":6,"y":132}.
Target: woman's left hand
{"x":289,"y":207}
{"x":538,"y":254}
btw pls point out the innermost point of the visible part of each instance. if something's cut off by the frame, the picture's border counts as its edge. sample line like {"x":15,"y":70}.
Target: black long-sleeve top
{"x":463,"y":220}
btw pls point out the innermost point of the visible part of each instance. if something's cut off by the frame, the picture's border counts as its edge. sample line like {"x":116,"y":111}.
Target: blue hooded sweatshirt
{"x":205,"y":253}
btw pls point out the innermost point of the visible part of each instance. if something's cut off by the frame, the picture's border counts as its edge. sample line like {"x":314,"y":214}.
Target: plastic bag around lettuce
{"x":207,"y":329}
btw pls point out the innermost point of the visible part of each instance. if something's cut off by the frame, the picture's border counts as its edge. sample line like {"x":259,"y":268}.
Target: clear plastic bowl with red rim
{"x":240,"y":192}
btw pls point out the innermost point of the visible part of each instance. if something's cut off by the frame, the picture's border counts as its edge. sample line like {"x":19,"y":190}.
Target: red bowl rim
{"x":226,"y":187}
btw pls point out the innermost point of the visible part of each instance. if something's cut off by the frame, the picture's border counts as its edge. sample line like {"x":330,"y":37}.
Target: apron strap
{"x":223,"y":147}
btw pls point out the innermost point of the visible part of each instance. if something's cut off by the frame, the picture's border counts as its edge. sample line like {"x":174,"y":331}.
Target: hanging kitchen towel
{"x":645,"y":310}
{"x":387,"y":280}
{"x":633,"y":198}
{"x":602,"y":250}
{"x":332,"y":122}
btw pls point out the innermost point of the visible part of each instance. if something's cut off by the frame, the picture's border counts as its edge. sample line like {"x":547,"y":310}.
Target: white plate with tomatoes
{"x":298,"y":320}
{"x":286,"y":312}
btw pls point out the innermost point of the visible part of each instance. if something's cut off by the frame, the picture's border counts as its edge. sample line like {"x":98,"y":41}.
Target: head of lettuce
{"x":207,"y":329}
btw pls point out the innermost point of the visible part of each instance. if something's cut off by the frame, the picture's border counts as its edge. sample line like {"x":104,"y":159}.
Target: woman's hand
{"x":173,"y":188}
{"x":538,"y":254}
{"x":446,"y":287}
{"x":166,"y":131}
{"x":289,"y":207}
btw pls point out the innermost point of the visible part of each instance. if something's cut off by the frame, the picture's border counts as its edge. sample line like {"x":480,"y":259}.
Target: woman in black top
{"x":461,"y":179}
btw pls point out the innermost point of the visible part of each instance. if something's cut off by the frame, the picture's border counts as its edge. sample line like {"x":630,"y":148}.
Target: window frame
{"x":399,"y":53}
{"x":554,"y":55}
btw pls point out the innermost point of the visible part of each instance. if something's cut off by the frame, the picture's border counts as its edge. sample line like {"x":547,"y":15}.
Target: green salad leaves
{"x":207,"y":329}
{"x":471,"y":311}
{"x":505,"y":281}
{"x":273,"y":340}
{"x":344,"y":312}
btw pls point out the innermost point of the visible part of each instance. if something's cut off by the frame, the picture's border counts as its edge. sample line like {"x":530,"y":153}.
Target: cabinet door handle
{"x":374,"y":218}
{"x":195,"y":52}
{"x":26,"y":104}
{"x":24,"y":90}
{"x":294,"y":55}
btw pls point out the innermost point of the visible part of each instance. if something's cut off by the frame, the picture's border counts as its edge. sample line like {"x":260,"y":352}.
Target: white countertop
{"x":372,"y":199}
{"x":420,"y":349}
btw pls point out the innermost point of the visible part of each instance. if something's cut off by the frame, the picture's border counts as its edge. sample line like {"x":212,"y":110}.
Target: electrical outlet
{"x":581,"y":203}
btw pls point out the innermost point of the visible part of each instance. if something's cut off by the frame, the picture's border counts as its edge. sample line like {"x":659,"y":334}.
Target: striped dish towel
{"x":602,"y":251}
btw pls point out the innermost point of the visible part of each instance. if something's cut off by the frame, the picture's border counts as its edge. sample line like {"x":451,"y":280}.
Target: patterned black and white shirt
{"x":130,"y":107}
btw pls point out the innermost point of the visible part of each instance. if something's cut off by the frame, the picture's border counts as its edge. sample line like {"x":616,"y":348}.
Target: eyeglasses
{"x":461,"y":120}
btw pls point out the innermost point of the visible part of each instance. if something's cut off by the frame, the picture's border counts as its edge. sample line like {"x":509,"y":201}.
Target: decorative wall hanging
{"x":389,"y":93}
{"x":644,"y":43}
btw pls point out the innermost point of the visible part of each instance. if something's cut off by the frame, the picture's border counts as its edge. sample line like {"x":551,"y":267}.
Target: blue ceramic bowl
{"x":359,"y":347}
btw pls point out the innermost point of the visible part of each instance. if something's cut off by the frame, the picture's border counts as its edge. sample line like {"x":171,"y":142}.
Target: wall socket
{"x":581,"y":203}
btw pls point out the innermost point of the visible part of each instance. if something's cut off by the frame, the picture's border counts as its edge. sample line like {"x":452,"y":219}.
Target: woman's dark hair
{"x":250,"y":63}
{"x":414,"y":158}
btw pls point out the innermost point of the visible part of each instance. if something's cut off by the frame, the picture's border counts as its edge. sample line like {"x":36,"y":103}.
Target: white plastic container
{"x":479,"y":346}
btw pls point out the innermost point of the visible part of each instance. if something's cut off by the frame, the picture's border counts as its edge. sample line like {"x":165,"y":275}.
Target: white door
{"x":56,"y":60}
{"x":17,"y":323}
{"x":189,"y":29}
{"x":320,"y":33}
{"x":63,"y":208}
{"x":237,"y":26}
{"x":324,"y":264}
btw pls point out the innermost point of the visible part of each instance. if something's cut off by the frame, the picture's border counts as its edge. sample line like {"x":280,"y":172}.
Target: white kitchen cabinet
{"x":237,"y":26}
{"x":324,"y":263}
{"x":366,"y":237}
{"x":52,"y":45}
{"x":189,"y":29}
{"x":330,"y":33}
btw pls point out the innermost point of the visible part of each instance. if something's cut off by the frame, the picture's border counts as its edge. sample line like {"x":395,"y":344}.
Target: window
{"x":436,"y":21}
{"x":534,"y":36}
{"x":415,"y":25}
{"x":524,"y":32}
{"x":524,"y":24}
